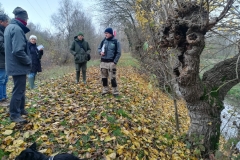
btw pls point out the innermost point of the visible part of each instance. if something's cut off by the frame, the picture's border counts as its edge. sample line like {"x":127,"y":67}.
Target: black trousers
{"x":17,"y":102}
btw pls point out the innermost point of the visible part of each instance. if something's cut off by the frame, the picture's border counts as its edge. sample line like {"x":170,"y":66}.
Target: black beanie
{"x":109,"y":30}
{"x":20,"y":13}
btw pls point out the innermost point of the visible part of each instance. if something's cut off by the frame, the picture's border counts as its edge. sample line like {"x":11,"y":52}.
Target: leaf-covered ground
{"x":75,"y":118}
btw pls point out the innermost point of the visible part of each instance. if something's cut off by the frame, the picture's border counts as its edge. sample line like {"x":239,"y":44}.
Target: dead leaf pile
{"x":75,"y":118}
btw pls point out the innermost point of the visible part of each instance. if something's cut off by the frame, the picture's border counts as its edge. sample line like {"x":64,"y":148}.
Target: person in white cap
{"x":36,"y":56}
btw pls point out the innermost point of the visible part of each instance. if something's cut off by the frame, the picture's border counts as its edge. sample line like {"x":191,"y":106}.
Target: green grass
{"x":2,"y":153}
{"x":55,"y":72}
{"x":235,"y":91}
{"x":58,"y":71}
{"x":127,"y":60}
{"x":233,"y":96}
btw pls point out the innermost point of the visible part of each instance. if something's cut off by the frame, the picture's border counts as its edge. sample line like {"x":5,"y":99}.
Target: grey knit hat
{"x":20,"y":13}
{"x":3,"y":17}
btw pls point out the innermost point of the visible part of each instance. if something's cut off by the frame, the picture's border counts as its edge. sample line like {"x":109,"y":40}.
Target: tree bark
{"x":223,"y":76}
{"x":204,"y":97}
{"x":205,"y":118}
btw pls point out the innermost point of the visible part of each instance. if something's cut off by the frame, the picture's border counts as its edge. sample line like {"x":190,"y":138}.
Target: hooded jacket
{"x":80,"y":49}
{"x":17,"y":56}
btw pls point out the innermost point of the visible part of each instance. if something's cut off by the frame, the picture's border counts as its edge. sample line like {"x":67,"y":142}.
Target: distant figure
{"x":80,"y":49}
{"x":36,"y":60}
{"x":110,"y":51}
{"x":18,"y":62}
{"x":3,"y":76}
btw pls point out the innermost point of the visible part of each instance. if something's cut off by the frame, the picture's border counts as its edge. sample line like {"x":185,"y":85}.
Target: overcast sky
{"x":40,"y":11}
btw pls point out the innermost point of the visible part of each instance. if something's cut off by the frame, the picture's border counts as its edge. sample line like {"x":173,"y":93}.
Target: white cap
{"x":33,"y":37}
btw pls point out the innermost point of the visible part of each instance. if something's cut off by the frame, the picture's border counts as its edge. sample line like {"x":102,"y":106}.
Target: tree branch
{"x":223,"y":76}
{"x":222,"y":15}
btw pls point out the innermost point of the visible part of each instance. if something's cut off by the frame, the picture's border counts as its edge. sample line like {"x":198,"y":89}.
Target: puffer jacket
{"x":111,"y":53}
{"x":17,"y":56}
{"x":80,"y":53}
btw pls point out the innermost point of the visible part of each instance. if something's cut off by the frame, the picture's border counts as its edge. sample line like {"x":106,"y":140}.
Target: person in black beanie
{"x":18,"y":62}
{"x":110,"y":51}
{"x":3,"y":76}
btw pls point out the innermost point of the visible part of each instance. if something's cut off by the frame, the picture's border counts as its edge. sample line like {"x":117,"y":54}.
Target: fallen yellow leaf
{"x":7,"y":132}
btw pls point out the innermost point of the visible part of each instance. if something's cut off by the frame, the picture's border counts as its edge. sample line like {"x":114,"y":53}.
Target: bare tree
{"x":69,"y":20}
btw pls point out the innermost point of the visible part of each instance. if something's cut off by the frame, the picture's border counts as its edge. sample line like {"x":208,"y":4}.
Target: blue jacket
{"x":111,"y":53}
{"x":17,"y":56}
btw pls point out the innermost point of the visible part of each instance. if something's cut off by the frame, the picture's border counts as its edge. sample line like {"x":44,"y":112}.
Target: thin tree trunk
{"x":176,"y":112}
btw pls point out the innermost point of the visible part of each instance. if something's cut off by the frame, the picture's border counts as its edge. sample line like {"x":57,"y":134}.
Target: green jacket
{"x":80,"y":53}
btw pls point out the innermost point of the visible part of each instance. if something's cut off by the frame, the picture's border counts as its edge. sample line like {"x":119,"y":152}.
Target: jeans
{"x":3,"y":84}
{"x":17,"y":102}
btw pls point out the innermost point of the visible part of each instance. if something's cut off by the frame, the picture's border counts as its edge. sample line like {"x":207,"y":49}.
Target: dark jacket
{"x":80,"y":49}
{"x":2,"y":52}
{"x":36,"y":56}
{"x":112,"y":54}
{"x":18,"y":60}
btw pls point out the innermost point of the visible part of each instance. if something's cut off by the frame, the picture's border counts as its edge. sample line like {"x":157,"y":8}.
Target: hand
{"x":102,"y":53}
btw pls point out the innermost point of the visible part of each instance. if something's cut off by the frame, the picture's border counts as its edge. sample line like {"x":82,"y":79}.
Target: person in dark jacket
{"x":3,"y":76}
{"x":18,"y":62}
{"x":80,"y":49}
{"x":36,"y":56}
{"x":110,"y":51}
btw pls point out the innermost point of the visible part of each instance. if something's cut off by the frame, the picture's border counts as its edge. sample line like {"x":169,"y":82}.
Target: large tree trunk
{"x":205,"y":117}
{"x":204,"y":97}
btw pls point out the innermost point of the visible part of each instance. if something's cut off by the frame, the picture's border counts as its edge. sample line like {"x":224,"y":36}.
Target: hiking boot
{"x":115,"y":91}
{"x":105,"y":90}
{"x":4,"y":100}
{"x":24,"y":113}
{"x":18,"y":120}
{"x":84,"y":77}
{"x":77,"y":76}
{"x":4,"y":103}
{"x":115,"y":95}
